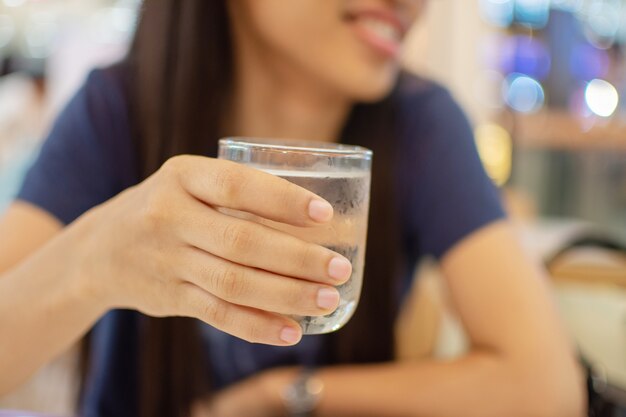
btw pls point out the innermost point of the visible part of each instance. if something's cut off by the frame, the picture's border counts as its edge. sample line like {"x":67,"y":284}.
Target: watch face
{"x":302,"y":396}
{"x":298,"y":400}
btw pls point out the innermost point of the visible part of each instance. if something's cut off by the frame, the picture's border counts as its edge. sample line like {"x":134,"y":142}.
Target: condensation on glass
{"x":338,"y":173}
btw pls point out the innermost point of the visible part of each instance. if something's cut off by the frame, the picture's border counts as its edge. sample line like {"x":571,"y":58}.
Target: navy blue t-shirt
{"x":89,"y":157}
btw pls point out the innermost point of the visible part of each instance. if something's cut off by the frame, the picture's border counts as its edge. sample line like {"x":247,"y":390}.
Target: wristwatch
{"x":302,"y":396}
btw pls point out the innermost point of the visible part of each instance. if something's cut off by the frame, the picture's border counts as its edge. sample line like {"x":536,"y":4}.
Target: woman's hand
{"x":257,"y":396}
{"x":163,"y":248}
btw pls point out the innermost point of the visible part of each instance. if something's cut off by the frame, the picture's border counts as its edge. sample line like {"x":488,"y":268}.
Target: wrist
{"x":303,"y":396}
{"x":273,"y":385}
{"x":294,"y":391}
{"x":84,"y":281}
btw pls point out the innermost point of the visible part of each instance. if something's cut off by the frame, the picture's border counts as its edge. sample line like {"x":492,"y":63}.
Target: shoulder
{"x":415,"y":88}
{"x":429,"y":119}
{"x":105,"y":94}
{"x":440,"y":168}
{"x":89,"y":155}
{"x":98,"y":121}
{"x":424,"y":104}
{"x":104,"y":108}
{"x":98,"y":112}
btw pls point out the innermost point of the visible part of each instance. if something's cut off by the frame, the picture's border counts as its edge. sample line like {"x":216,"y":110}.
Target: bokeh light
{"x":114,"y":24}
{"x":532,"y":13}
{"x":495,"y":148}
{"x":602,"y":22}
{"x":40,"y":34}
{"x":7,"y":30}
{"x":601,"y":97}
{"x":523,"y":93}
{"x":498,"y":12}
{"x":13,"y":3}
{"x":571,"y":6}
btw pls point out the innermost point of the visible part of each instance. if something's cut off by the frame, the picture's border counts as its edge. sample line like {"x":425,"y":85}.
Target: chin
{"x":373,"y":89}
{"x":370,"y":80}
{"x":373,"y":95}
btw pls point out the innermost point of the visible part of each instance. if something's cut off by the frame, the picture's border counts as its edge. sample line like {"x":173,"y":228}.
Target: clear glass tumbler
{"x":338,"y":173}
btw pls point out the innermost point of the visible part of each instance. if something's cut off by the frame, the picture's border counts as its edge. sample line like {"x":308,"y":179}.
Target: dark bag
{"x":603,"y":399}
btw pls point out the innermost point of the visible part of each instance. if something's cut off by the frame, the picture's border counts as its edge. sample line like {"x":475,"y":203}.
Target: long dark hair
{"x":181,"y":69}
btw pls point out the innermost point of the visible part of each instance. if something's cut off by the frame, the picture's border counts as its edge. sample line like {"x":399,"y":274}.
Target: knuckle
{"x":169,"y":169}
{"x":304,"y":256}
{"x":254,"y":332}
{"x":158,"y":203}
{"x":239,"y":239}
{"x":174,"y":165}
{"x":298,"y":297}
{"x":287,"y":195}
{"x":228,"y":182}
{"x":156,"y":212}
{"x":215,"y":314}
{"x":231,"y":284}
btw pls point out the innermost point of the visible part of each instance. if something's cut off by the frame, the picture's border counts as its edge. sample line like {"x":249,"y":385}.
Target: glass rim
{"x":297,"y":146}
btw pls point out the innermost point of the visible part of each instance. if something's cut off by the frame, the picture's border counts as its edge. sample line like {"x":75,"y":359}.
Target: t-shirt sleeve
{"x":450,"y":195}
{"x":85,"y":158}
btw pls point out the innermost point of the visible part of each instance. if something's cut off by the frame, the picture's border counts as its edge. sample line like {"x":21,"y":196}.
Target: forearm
{"x":479,"y":384}
{"x":43,"y":309}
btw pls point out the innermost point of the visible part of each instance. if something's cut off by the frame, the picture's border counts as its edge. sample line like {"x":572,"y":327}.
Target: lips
{"x":381,"y":29}
{"x":384,"y":30}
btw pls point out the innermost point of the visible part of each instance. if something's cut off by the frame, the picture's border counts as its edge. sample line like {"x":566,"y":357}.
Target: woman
{"x":109,"y":218}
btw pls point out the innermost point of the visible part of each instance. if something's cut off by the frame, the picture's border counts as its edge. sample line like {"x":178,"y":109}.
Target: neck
{"x":277,"y":101}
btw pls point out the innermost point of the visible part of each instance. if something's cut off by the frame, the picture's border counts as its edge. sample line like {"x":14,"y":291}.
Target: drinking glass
{"x":340,"y":174}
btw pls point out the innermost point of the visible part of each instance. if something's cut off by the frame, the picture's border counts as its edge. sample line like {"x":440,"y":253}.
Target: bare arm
{"x":24,"y":229}
{"x":43,"y":310}
{"x":520,"y":363}
{"x":164,"y":249}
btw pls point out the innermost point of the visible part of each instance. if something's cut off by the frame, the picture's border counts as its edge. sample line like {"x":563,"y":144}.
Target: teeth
{"x":382,"y":29}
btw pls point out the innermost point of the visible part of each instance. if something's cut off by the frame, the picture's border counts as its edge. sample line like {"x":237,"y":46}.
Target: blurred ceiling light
{"x":40,"y":34}
{"x":532,"y":13}
{"x":523,"y":93}
{"x":495,"y":148}
{"x":497,"y":12}
{"x":602,"y":20}
{"x":621,"y":31}
{"x":572,"y":6}
{"x":113,"y":24}
{"x":601,"y":97}
{"x":123,"y":18}
{"x":7,"y":30}
{"x":13,"y":3}
{"x":132,"y":4}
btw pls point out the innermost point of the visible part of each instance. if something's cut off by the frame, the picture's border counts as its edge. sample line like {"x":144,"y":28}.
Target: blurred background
{"x":543,"y":82}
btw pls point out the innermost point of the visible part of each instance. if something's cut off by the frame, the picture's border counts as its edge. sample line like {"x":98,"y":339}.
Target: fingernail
{"x":290,"y":335}
{"x":339,"y":268}
{"x":320,"y":210}
{"x":327,"y":298}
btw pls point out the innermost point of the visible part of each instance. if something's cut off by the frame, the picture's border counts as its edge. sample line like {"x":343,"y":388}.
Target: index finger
{"x":228,"y":184}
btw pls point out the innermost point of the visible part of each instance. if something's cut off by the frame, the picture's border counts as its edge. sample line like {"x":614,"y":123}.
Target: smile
{"x":382,"y":30}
